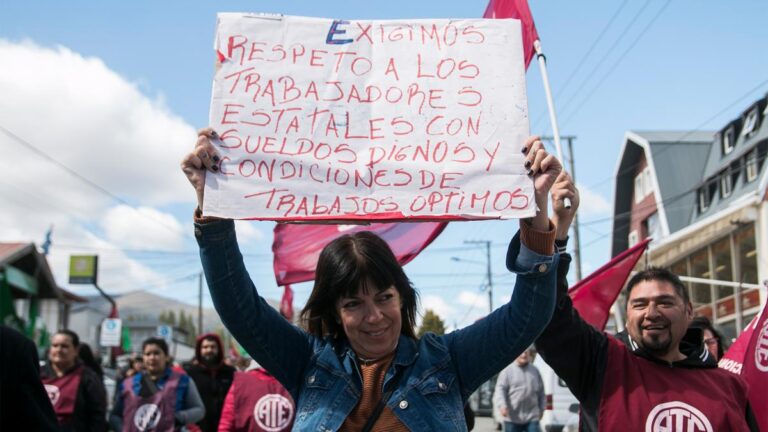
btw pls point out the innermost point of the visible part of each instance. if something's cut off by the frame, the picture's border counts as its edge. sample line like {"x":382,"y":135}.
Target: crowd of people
{"x":68,"y":393}
{"x":356,"y":364}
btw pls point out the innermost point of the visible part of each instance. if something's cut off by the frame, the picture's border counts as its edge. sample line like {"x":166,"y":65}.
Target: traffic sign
{"x":111,"y":330}
{"x":165,"y":332}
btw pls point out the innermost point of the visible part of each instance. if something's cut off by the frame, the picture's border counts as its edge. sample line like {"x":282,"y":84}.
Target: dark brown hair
{"x":662,"y":275}
{"x":346,"y":265}
{"x":159,"y":342}
{"x":72,"y":336}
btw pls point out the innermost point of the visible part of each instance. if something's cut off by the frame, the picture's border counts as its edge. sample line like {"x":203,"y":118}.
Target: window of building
{"x":639,"y":188}
{"x":750,"y":123}
{"x":721,"y":258}
{"x":751,"y":165}
{"x":703,"y":199}
{"x":653,"y":226}
{"x":726,"y":183}
{"x":729,"y":140}
{"x":633,"y":238}
{"x":701,"y":293}
{"x":744,"y":239}
{"x":680,"y":268}
{"x":648,"y":186}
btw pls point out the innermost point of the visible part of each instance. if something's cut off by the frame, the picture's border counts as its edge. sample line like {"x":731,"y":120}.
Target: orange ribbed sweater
{"x":373,"y":381}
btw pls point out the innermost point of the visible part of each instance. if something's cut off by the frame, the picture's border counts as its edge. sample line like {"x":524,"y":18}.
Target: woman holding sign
{"x":358,"y":363}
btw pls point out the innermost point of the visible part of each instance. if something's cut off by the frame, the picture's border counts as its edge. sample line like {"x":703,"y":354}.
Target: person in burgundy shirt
{"x":76,"y":391}
{"x":257,"y":402}
{"x":654,"y":376}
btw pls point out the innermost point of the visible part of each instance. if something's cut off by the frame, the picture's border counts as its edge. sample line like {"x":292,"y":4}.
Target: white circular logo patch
{"x":147,"y":417}
{"x":273,"y":412}
{"x":677,"y":417}
{"x":761,"y":349}
{"x":53,"y":393}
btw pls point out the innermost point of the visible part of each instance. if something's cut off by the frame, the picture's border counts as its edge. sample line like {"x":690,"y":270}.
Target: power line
{"x":615,"y":65}
{"x":83,"y":179}
{"x":583,"y":59}
{"x":684,"y":135}
{"x":602,"y":60}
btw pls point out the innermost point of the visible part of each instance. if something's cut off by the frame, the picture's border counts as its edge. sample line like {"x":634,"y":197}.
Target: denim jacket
{"x":436,"y":374}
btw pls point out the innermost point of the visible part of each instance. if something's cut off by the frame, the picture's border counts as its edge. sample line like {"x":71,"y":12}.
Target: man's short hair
{"x":662,"y":275}
{"x":72,"y":335}
{"x":159,"y":342}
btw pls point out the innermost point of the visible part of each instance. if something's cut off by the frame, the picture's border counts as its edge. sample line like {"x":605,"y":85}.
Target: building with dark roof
{"x":701,"y":196}
{"x":30,"y":299}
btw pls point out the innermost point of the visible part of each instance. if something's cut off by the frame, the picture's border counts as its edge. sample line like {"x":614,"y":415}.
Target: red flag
{"x":286,"y":303}
{"x":594,"y":295}
{"x":748,"y":357}
{"x":297,"y":247}
{"x":517,"y":9}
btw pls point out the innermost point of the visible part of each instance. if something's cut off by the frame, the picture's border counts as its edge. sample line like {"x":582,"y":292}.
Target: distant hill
{"x":141,"y":305}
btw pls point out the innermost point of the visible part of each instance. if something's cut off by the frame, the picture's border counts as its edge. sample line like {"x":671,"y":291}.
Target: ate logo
{"x":677,"y":417}
{"x":147,"y":417}
{"x":761,"y":348}
{"x":53,"y":393}
{"x":273,"y":412}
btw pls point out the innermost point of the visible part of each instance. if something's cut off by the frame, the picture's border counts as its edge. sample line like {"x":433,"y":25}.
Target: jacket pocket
{"x":439,"y":393}
{"x":315,"y":394}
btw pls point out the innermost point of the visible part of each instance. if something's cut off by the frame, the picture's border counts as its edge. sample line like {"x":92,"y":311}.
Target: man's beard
{"x":657,"y":344}
{"x":209,"y":360}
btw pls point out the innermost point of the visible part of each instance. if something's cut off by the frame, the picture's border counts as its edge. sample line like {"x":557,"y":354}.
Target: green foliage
{"x":431,"y":323}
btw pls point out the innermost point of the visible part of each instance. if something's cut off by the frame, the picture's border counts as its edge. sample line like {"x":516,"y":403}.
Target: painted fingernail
{"x":214,"y":134}
{"x":530,"y":172}
{"x":216,"y":158}
{"x":525,"y":149}
{"x":527,"y":164}
{"x":215,"y":167}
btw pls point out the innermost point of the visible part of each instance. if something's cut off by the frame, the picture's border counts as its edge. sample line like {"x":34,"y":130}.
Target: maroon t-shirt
{"x":261,"y":403}
{"x":63,"y":392}
{"x":641,"y":395}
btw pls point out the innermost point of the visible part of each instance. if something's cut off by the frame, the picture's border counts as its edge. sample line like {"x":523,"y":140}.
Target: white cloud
{"x":142,"y":228}
{"x":247,"y":232}
{"x":471,"y":298}
{"x":437,"y":305}
{"x":81,"y":114}
{"x":592,"y":203}
{"x":88,"y":118}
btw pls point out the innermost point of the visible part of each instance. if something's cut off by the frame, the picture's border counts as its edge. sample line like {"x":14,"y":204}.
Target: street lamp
{"x":487,"y":263}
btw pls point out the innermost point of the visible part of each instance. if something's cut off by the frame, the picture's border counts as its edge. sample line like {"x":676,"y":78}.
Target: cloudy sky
{"x":100,"y":102}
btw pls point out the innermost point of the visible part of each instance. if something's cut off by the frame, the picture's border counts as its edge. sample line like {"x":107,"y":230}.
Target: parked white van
{"x":561,"y":411}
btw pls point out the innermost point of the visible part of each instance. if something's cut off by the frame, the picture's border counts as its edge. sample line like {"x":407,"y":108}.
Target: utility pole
{"x":575,"y":227}
{"x":200,"y":303}
{"x":487,"y":244}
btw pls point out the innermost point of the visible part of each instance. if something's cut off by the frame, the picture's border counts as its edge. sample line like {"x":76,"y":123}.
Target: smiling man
{"x":657,"y":375}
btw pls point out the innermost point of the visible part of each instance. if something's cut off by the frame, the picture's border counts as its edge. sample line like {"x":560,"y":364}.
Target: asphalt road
{"x":484,"y":424}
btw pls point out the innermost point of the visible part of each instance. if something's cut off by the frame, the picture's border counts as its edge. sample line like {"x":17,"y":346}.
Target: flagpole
{"x":551,"y":106}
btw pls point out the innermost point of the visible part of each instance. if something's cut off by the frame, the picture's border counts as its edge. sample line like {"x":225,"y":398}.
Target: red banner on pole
{"x":517,"y":9}
{"x":297,"y":247}
{"x":286,"y":303}
{"x":594,"y":295}
{"x":748,"y":357}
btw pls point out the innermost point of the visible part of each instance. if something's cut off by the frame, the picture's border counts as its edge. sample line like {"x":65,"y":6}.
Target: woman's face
{"x":372,"y":321}
{"x":63,"y":352}
{"x":154,"y":359}
{"x":710,"y":342}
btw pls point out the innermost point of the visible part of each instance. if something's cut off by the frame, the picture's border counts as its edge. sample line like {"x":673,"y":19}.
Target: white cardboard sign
{"x":326,"y":119}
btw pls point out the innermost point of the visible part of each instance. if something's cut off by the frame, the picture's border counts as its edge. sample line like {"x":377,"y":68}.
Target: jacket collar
{"x":691,"y":346}
{"x":405,"y":353}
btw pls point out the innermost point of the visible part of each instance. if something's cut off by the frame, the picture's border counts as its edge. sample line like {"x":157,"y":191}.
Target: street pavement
{"x":484,"y":424}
